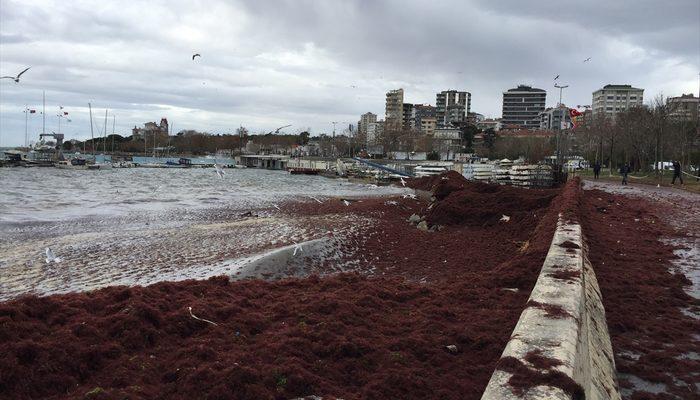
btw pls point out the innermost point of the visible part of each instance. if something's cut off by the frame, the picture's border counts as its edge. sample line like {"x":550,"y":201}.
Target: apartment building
{"x":613,"y":99}
{"x":452,"y":107}
{"x":522,"y":107}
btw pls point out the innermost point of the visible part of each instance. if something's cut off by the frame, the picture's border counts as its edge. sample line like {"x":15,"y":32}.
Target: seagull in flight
{"x":587,"y":60}
{"x":50,"y":257}
{"x":403,"y":182}
{"x":219,"y":171}
{"x":196,"y":55}
{"x":317,"y":200}
{"x":556,"y":77}
{"x":16,"y":78}
{"x":347,"y":203}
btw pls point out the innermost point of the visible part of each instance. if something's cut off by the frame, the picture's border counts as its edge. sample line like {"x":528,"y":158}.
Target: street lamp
{"x":561,"y":122}
{"x":561,"y":88}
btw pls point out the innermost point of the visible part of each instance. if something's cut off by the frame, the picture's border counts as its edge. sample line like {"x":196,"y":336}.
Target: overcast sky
{"x":270,"y":63}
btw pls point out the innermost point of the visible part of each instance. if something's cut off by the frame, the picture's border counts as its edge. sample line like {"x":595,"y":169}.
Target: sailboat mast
{"x":43,"y":113}
{"x":92,"y":133}
{"x":26,"y":121}
{"x":114,"y":122}
{"x":104,"y":138}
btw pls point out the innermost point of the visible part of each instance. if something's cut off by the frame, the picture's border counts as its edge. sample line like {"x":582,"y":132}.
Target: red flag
{"x":32,"y":111}
{"x":574,"y":112}
{"x":65,"y":113}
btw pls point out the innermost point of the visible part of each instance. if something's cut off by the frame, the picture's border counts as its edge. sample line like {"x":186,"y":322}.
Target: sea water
{"x":137,"y":226}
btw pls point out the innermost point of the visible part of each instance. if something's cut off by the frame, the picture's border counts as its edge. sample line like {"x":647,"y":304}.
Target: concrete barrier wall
{"x":560,"y":348}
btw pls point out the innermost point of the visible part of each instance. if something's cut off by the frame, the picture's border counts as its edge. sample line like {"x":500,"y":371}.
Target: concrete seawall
{"x":560,"y":348}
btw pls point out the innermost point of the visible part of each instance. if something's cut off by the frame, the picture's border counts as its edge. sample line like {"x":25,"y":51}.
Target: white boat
{"x":428,"y":170}
{"x":74,"y":163}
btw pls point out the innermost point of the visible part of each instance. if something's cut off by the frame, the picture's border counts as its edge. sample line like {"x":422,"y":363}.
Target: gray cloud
{"x":268,"y":63}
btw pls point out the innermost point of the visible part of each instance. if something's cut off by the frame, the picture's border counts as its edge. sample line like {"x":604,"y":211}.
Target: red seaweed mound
{"x":427,"y":183}
{"x":480,"y":204}
{"x":642,"y":294}
{"x":374,"y":336}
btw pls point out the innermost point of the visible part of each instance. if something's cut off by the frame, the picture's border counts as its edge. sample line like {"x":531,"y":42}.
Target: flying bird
{"x":196,"y":55}
{"x":403,"y":182}
{"x":50,"y":257}
{"x":347,"y":203}
{"x":15,"y":78}
{"x":587,"y":60}
{"x":556,"y":77}
{"x":219,"y":171}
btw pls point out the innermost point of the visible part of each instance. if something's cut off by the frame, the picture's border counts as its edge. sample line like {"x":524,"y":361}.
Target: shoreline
{"x":375,"y":330}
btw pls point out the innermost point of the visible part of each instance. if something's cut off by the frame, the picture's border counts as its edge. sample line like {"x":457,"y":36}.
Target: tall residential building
{"x":522,"y":107}
{"x":612,"y":99}
{"x":394,"y":110}
{"x":365,"y":120}
{"x":452,"y":106}
{"x":407,"y":120}
{"x":428,"y":125}
{"x":555,"y":118}
{"x":374,"y":132}
{"x":686,"y":107}
{"x":421,"y":111}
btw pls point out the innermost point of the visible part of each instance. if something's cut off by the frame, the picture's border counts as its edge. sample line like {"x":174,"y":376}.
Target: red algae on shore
{"x":378,"y":334}
{"x":652,"y":337}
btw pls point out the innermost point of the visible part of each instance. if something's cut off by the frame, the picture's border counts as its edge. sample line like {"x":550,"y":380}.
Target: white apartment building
{"x":685,"y":107}
{"x":613,"y":99}
{"x":374,"y":132}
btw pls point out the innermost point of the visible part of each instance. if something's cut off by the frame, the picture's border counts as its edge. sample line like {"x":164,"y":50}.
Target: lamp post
{"x":561,"y":88}
{"x":562,"y":119}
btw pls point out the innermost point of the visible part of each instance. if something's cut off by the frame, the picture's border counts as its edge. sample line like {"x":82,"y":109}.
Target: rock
{"x":452,"y":349}
{"x":414,"y":219}
{"x":423,"y":226}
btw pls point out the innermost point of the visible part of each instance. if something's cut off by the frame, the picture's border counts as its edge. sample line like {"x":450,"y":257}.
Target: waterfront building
{"x":555,"y":118}
{"x":447,"y":140}
{"x":684,"y":108}
{"x":150,"y":130}
{"x":451,"y":107}
{"x":421,"y":111}
{"x":485,"y":124}
{"x":365,"y":120}
{"x":613,"y":99}
{"x":394,"y":110}
{"x":428,"y":125}
{"x":522,"y":107}
{"x":407,"y":121}
{"x":375,"y":131}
